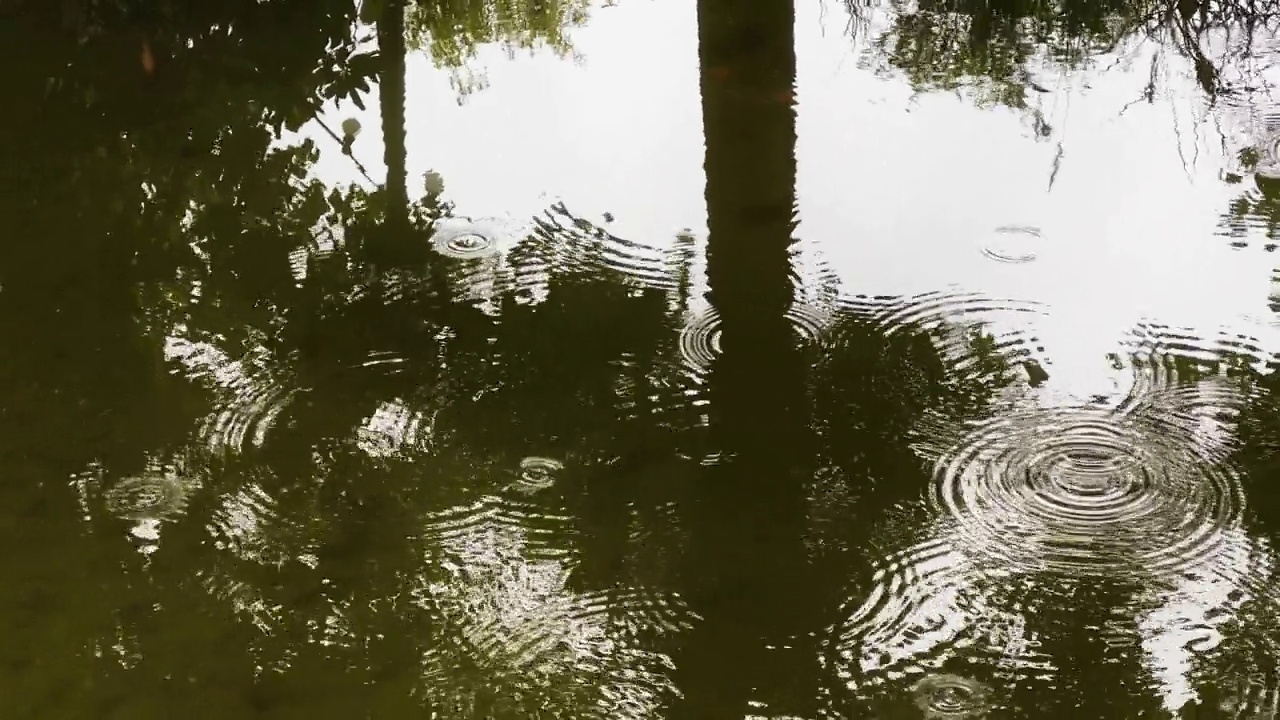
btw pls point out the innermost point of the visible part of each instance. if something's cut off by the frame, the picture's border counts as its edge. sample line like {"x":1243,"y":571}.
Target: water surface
{"x":640,"y":359}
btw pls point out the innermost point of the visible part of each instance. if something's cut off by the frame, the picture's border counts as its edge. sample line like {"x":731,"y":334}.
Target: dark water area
{"x":640,"y":359}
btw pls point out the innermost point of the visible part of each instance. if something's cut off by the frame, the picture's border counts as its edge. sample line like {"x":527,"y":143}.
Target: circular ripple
{"x":700,"y":340}
{"x":1188,"y":352}
{"x":249,"y":397}
{"x":246,"y":417}
{"x":539,"y":473}
{"x":950,"y":697}
{"x":1162,"y":362}
{"x":1014,"y":244}
{"x":494,"y":527}
{"x":949,"y":308}
{"x":468,"y":239}
{"x":468,"y":243}
{"x":1086,"y":492}
{"x":700,"y":337}
{"x":982,"y":339}
{"x":560,"y":243}
{"x":919,"y":603}
{"x":148,"y":497}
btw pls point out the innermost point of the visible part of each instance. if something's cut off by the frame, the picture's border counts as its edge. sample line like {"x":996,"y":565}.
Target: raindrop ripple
{"x":467,"y":239}
{"x":700,"y":337}
{"x":1083,"y":492}
{"x":951,"y":697}
{"x":150,"y":496}
{"x":538,"y":473}
{"x":1014,"y":244}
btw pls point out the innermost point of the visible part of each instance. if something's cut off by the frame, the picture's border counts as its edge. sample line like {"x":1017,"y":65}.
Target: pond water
{"x":640,"y":359}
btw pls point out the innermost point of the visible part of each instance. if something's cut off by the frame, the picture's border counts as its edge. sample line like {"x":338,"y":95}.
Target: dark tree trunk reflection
{"x":391,"y":94}
{"x":750,"y":514}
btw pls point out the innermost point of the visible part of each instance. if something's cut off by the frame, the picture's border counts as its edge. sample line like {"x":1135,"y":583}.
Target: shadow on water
{"x":277,"y":448}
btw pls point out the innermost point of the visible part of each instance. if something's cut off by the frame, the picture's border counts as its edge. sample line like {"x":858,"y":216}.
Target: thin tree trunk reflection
{"x":391,"y":94}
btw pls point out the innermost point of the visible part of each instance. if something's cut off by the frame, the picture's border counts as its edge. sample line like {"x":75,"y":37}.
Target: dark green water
{"x":639,"y":360}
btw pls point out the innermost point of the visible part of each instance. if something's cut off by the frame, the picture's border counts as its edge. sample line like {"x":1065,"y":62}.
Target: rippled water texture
{"x":700,"y":337}
{"x":1087,"y":492}
{"x":501,"y":580}
{"x":1136,"y":489}
{"x":640,"y":360}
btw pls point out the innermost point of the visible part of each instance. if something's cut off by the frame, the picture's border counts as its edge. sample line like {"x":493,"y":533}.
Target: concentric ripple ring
{"x":699,"y":340}
{"x":467,"y":239}
{"x":950,"y":697}
{"x":1084,"y":491}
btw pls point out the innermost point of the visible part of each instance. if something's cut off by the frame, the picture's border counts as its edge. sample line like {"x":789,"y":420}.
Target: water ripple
{"x":494,"y":526}
{"x":159,"y":494}
{"x":990,"y":350}
{"x":816,"y":280}
{"x":394,"y":429}
{"x":637,"y":613}
{"x":1169,"y":349}
{"x":917,"y":603}
{"x":546,"y":652}
{"x":657,"y":390}
{"x":1014,"y":244}
{"x":950,"y":697}
{"x":970,"y":330}
{"x":1184,"y":374}
{"x":465,"y":238}
{"x":1086,"y":492}
{"x":248,"y":417}
{"x":700,"y":341}
{"x":499,"y":579}
{"x":700,"y":337}
{"x":950,"y":307}
{"x":249,"y":398}
{"x":562,"y":244}
{"x":538,"y":473}
{"x":250,"y":523}
{"x":1254,"y":216}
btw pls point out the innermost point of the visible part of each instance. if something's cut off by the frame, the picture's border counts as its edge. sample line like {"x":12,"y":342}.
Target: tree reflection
{"x":997,"y":49}
{"x":747,"y":518}
{"x":391,"y":89}
{"x":452,"y":30}
{"x":1255,"y":213}
{"x":105,"y":157}
{"x":358,"y":476}
{"x":990,"y":48}
{"x":1003,"y":53}
{"x":418,"y":410}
